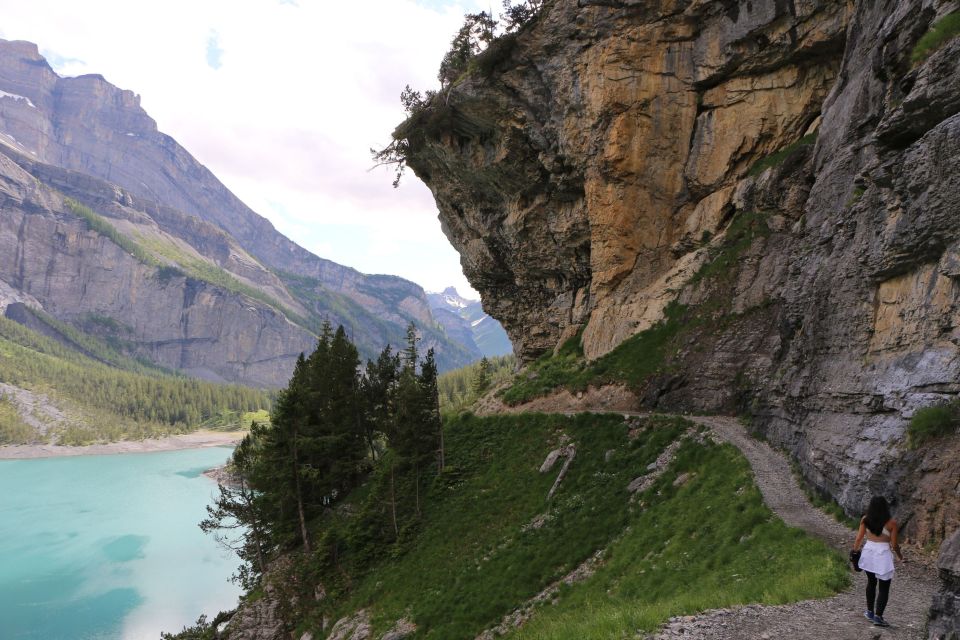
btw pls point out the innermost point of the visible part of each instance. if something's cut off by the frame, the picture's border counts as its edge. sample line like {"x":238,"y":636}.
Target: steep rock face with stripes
{"x":784,"y":173}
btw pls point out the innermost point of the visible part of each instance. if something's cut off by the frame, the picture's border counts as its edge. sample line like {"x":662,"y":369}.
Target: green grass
{"x":157,"y":253}
{"x":855,"y":196}
{"x":469,"y":560}
{"x":564,"y":369}
{"x":941,"y":32}
{"x":107,"y":350}
{"x":778,"y":158}
{"x":931,"y":423}
{"x":649,"y":352}
{"x":192,"y":267}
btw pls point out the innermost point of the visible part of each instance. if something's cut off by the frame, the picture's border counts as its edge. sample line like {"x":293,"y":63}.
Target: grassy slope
{"x":708,"y":543}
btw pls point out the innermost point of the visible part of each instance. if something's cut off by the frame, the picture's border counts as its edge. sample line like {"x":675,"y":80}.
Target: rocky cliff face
{"x":602,"y":165}
{"x":944,"y":621}
{"x":50,"y":256}
{"x":247,"y":300}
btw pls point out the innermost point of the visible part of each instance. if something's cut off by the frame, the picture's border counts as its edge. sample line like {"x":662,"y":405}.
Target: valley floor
{"x":195,"y":440}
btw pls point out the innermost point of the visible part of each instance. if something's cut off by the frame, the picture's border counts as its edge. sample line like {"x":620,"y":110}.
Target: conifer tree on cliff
{"x":314,"y":452}
{"x":238,"y":508}
{"x":280,"y":470}
{"x":415,"y":435}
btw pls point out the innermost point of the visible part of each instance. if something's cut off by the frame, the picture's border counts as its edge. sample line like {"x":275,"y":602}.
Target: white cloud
{"x":302,"y":91}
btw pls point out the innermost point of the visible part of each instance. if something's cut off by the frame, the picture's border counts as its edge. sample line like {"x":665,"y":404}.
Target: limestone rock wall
{"x":575,"y":179}
{"x":588,"y":173}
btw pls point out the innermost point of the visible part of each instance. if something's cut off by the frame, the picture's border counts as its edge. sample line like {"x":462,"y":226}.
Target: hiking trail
{"x":837,"y":618}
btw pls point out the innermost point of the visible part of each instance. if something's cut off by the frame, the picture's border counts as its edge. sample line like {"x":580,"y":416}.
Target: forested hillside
{"x":87,"y":392}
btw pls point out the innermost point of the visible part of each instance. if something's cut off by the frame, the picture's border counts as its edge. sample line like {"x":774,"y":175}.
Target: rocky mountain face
{"x":465,"y":321}
{"x":604,"y":163}
{"x":171,"y":264}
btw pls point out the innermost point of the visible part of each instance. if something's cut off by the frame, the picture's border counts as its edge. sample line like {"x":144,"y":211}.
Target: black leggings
{"x":872,"y":593}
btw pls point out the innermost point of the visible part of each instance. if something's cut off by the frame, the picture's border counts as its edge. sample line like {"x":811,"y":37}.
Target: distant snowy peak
{"x":461,"y":315}
{"x":449,"y":298}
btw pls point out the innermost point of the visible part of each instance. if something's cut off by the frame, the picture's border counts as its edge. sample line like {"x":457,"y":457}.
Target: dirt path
{"x":836,"y":618}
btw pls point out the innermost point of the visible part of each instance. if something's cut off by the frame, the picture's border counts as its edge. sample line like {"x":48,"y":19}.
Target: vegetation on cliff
{"x":930,"y":423}
{"x":478,"y":47}
{"x":941,"y":32}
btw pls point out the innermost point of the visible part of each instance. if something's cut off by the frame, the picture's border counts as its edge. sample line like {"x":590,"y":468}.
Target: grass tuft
{"x":941,"y":32}
{"x":781,"y":156}
{"x":930,"y":423}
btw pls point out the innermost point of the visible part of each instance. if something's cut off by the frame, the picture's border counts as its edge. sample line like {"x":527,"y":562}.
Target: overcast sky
{"x":282,"y":100}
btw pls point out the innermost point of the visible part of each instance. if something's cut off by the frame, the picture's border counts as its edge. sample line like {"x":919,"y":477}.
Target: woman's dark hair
{"x":878,"y":514}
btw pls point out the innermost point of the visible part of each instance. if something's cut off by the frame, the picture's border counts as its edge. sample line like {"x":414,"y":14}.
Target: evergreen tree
{"x":481,"y":381}
{"x":238,"y":508}
{"x":430,"y":405}
{"x":315,"y":451}
{"x":281,"y":469}
{"x":379,"y":391}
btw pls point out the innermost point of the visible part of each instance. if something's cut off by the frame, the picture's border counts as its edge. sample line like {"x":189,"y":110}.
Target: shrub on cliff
{"x":477,"y":47}
{"x":933,"y":422}
{"x":943,"y":30}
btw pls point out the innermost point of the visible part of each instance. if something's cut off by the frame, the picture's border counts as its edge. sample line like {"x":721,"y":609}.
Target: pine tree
{"x":238,"y":508}
{"x":379,"y":391}
{"x":430,"y":405}
{"x":482,"y":380}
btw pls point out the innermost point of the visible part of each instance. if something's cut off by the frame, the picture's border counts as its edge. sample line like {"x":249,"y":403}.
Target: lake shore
{"x":195,"y":440}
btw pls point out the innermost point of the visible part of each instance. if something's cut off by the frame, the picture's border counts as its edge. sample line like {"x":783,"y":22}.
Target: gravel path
{"x":836,"y":618}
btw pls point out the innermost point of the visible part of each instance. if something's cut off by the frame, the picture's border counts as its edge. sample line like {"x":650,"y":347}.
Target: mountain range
{"x":467,"y":322}
{"x":112,"y":227}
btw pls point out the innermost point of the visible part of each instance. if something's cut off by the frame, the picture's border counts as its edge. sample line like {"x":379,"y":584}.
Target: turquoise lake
{"x":108,"y":547}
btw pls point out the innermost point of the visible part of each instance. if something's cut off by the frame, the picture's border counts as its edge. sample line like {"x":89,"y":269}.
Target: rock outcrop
{"x":604,"y":161}
{"x":944,"y":623}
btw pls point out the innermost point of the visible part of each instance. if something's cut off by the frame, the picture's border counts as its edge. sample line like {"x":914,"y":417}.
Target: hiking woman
{"x":876,"y":557}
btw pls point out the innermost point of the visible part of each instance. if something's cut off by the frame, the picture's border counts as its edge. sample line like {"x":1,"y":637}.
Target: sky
{"x":282,"y":100}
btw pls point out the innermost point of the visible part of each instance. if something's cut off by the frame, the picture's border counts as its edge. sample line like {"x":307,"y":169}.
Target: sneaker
{"x":869,"y":616}
{"x":880,"y":622}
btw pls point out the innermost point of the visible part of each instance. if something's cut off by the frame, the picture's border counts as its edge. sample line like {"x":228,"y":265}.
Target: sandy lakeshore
{"x":195,"y":440}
